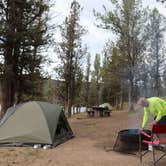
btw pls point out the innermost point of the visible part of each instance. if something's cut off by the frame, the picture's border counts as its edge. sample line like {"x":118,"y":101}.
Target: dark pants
{"x":162,"y":120}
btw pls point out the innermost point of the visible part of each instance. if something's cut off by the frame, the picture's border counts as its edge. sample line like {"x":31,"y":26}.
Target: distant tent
{"x":106,"y":105}
{"x":34,"y":123}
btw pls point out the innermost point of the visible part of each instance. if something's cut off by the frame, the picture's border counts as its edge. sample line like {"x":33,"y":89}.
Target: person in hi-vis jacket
{"x":155,"y":106}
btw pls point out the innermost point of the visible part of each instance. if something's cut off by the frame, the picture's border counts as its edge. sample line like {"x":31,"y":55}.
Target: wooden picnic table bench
{"x":98,"y":112}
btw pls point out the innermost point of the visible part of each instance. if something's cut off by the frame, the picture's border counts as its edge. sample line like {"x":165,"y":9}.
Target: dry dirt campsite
{"x":93,"y":136}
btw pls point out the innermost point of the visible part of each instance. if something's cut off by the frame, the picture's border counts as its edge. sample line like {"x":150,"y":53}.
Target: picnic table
{"x":98,"y":111}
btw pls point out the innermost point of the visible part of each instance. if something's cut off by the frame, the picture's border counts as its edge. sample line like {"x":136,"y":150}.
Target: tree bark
{"x":121,"y":101}
{"x":8,"y":84}
{"x":131,"y":95}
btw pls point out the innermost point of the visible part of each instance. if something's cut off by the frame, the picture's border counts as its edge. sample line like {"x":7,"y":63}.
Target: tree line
{"x":131,"y":66}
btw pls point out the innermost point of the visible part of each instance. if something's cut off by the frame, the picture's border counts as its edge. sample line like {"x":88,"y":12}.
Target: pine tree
{"x":155,"y":55}
{"x":95,"y":82}
{"x":22,"y":33}
{"x":126,"y":22}
{"x":70,"y":53}
{"x":113,"y":75}
{"x":87,"y":81}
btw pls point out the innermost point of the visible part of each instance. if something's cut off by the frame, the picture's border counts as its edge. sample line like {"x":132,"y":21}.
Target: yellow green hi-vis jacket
{"x":156,"y":107}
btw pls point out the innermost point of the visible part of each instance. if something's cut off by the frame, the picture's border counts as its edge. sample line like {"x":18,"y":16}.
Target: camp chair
{"x":157,"y":142}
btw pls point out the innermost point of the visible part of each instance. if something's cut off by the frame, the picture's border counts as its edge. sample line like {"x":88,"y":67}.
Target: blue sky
{"x":96,"y":37}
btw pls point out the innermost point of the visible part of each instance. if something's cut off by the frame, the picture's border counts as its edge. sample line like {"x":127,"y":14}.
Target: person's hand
{"x":140,"y":129}
{"x":153,"y":123}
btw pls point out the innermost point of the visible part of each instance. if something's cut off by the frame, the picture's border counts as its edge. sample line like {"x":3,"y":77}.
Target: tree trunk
{"x":87,"y":96}
{"x":77,"y":110}
{"x":145,"y":88}
{"x":8,"y":83}
{"x":70,"y":100}
{"x":157,"y":76}
{"x":121,"y":101}
{"x":98,"y":93}
{"x":8,"y":95}
{"x":131,"y":96}
{"x":116,"y":101}
{"x":69,"y":105}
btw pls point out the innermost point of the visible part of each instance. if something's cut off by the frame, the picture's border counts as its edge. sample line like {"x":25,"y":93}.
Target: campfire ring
{"x":128,"y":140}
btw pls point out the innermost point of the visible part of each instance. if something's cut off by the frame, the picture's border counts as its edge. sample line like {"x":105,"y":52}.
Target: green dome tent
{"x":34,"y":123}
{"x":106,"y":105}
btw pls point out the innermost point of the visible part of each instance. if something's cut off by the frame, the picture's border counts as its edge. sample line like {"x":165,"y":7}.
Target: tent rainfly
{"x":32,"y":123}
{"x":106,"y":105}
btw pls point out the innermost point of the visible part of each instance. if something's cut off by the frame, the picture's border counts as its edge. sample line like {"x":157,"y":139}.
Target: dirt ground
{"x":93,"y":136}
